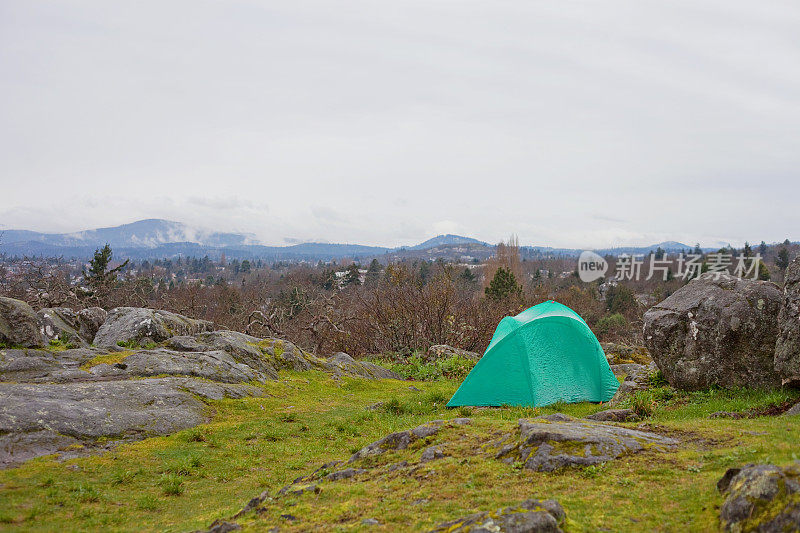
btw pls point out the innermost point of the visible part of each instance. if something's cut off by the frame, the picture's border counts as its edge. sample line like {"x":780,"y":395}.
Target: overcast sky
{"x":582,"y":124}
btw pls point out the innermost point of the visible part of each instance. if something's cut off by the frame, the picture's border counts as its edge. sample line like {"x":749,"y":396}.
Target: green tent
{"x":541,"y":356}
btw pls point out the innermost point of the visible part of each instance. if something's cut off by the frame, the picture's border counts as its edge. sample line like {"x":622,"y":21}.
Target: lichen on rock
{"x":761,"y":497}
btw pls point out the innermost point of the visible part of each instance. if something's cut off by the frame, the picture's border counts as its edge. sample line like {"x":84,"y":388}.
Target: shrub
{"x":620,"y":299}
{"x":657,"y":379}
{"x":614,"y":325}
{"x":643,"y":403}
{"x":415,"y":367}
{"x":130,"y":344}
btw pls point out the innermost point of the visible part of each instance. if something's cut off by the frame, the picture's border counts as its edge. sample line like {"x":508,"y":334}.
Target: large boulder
{"x":89,"y":322}
{"x":19,"y":325}
{"x":60,"y":323}
{"x":129,"y":325}
{"x":761,"y":497}
{"x":75,"y":329}
{"x":787,"y":347}
{"x":716,"y":330}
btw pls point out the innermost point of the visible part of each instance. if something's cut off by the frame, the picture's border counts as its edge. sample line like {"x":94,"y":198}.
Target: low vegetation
{"x":417,"y":367}
{"x":187,"y":480}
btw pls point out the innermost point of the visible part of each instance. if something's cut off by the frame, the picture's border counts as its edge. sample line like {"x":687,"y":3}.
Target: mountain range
{"x":156,"y":238}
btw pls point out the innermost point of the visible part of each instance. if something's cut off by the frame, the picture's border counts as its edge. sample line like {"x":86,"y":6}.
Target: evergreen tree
{"x":424,"y":271}
{"x":503,"y":285}
{"x":99,"y":276}
{"x":763,"y":271}
{"x":329,"y":281}
{"x":747,"y":251}
{"x":762,"y":248}
{"x":245,"y":266}
{"x":373,"y":272}
{"x":352,"y":276}
{"x":467,"y":276}
{"x":783,"y":258}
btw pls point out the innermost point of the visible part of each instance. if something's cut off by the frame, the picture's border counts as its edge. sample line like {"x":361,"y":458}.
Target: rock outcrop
{"x":444,"y":351}
{"x":620,"y":354}
{"x":547,"y":444}
{"x":716,"y":331}
{"x":787,"y":347}
{"x":131,"y":325}
{"x":215,"y":365}
{"x":636,"y":378}
{"x":530,"y":516}
{"x":19,"y":325}
{"x":399,"y":440}
{"x":761,"y":497}
{"x":83,"y":394}
{"x":343,"y":364}
{"x":70,"y":414}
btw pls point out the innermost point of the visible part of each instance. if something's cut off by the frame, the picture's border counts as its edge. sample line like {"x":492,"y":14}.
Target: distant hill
{"x":156,"y":238}
{"x":446,"y":240}
{"x":148,"y":233}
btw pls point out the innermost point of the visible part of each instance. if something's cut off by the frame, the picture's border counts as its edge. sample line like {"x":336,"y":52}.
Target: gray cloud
{"x":570,"y":124}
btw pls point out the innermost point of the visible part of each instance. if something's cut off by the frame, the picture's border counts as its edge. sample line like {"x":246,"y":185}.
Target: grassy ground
{"x":185,"y":481}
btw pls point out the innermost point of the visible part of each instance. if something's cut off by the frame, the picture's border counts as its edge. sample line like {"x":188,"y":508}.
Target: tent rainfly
{"x":545,"y":354}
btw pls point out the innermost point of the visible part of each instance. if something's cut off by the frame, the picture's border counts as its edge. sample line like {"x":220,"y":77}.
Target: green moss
{"x":277,"y":348}
{"x":764,"y":511}
{"x":108,"y":359}
{"x":573,"y":448}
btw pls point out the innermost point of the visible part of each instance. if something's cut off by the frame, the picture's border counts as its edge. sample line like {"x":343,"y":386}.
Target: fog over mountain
{"x":140,"y":234}
{"x":164,"y":238}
